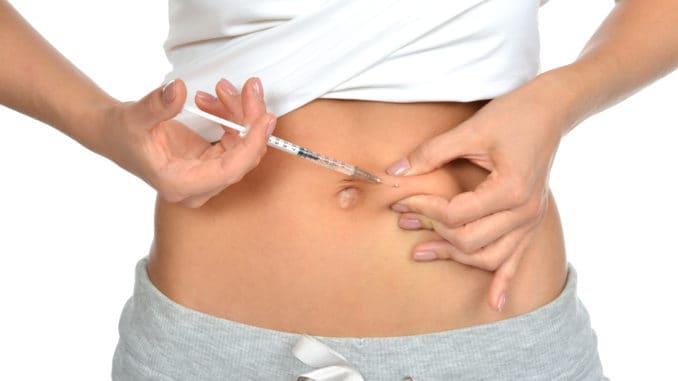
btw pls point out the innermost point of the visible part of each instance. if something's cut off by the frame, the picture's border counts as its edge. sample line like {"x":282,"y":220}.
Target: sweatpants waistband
{"x":163,"y":340}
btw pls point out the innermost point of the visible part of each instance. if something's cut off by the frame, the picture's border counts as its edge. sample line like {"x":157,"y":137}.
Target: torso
{"x":281,"y":250}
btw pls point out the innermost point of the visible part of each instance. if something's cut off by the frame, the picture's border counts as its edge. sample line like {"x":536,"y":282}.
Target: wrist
{"x":98,"y":121}
{"x":564,"y":94}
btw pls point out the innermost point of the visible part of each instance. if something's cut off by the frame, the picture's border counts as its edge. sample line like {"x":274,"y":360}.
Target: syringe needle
{"x":394,"y":185}
{"x":361,"y":174}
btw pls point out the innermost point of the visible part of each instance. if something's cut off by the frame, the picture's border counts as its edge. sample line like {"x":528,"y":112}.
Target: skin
{"x":487,"y":227}
{"x":139,"y":136}
{"x":491,"y":226}
{"x":364,"y":267}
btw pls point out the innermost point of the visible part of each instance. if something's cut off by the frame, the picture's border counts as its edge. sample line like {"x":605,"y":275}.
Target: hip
{"x":163,"y":340}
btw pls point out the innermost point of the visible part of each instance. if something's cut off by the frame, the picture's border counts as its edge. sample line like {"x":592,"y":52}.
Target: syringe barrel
{"x":307,"y":154}
{"x":336,"y":165}
{"x":283,"y":145}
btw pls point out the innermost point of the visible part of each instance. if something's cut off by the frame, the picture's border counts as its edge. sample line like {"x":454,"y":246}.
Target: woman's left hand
{"x":515,"y":138}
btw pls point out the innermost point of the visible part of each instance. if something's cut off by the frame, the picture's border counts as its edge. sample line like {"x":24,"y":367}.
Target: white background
{"x":73,"y":225}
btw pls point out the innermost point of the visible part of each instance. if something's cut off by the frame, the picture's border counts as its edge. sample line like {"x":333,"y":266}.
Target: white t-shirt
{"x":386,"y":50}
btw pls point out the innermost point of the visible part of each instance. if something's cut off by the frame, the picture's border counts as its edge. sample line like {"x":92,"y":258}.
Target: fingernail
{"x":228,"y":87}
{"x":270,"y":126}
{"x":410,"y":223}
{"x":501,"y":302}
{"x":258,"y":91}
{"x":205,"y":97}
{"x":399,"y":208}
{"x":169,"y":92}
{"x":398,"y":168}
{"x":424,"y":255}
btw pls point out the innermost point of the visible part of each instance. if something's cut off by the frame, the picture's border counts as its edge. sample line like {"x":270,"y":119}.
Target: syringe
{"x":291,"y":148}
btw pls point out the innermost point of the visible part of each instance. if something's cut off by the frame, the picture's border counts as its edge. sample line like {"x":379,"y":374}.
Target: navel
{"x":347,"y":197}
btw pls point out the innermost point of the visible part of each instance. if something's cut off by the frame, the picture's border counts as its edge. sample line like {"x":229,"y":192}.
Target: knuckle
{"x":483,"y":264}
{"x":469,"y":238}
{"x":456,"y":242}
{"x":465,"y":246}
{"x":449,"y":216}
{"x":444,"y":252}
{"x":464,"y":241}
{"x":495,"y":263}
{"x":490,"y":262}
{"x":425,"y":155}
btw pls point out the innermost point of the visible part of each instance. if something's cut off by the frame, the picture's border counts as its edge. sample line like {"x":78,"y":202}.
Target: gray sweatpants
{"x":162,"y":340}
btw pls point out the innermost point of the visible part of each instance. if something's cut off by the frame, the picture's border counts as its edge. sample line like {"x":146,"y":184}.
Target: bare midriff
{"x":296,"y":247}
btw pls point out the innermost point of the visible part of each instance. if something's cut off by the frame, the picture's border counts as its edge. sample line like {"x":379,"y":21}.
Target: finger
{"x":475,"y":235}
{"x":213,"y":105}
{"x":471,"y":237}
{"x":489,"y":258}
{"x":229,"y":139}
{"x":489,"y":197}
{"x":413,"y":221}
{"x":434,"y":250}
{"x":432,"y":206}
{"x":504,"y":273}
{"x":248,"y":153}
{"x":231,"y":101}
{"x":434,"y":153}
{"x":223,"y":107}
{"x":204,"y":176}
{"x":253,"y":105}
{"x":493,"y":195}
{"x":503,"y":277}
{"x":161,"y":104}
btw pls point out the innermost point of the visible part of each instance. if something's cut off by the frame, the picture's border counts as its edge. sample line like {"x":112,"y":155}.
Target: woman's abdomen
{"x":296,"y":247}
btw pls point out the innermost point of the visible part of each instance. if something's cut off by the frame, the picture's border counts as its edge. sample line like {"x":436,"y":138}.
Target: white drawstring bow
{"x":331,"y":365}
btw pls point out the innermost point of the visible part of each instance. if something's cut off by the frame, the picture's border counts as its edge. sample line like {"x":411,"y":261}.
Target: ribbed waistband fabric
{"x":163,"y":340}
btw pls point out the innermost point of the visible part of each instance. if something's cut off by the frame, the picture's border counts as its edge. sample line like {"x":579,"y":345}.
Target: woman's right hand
{"x":182,"y":166}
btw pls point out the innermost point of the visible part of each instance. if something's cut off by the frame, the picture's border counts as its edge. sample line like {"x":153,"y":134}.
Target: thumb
{"x":161,"y":104}
{"x":435,"y":153}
